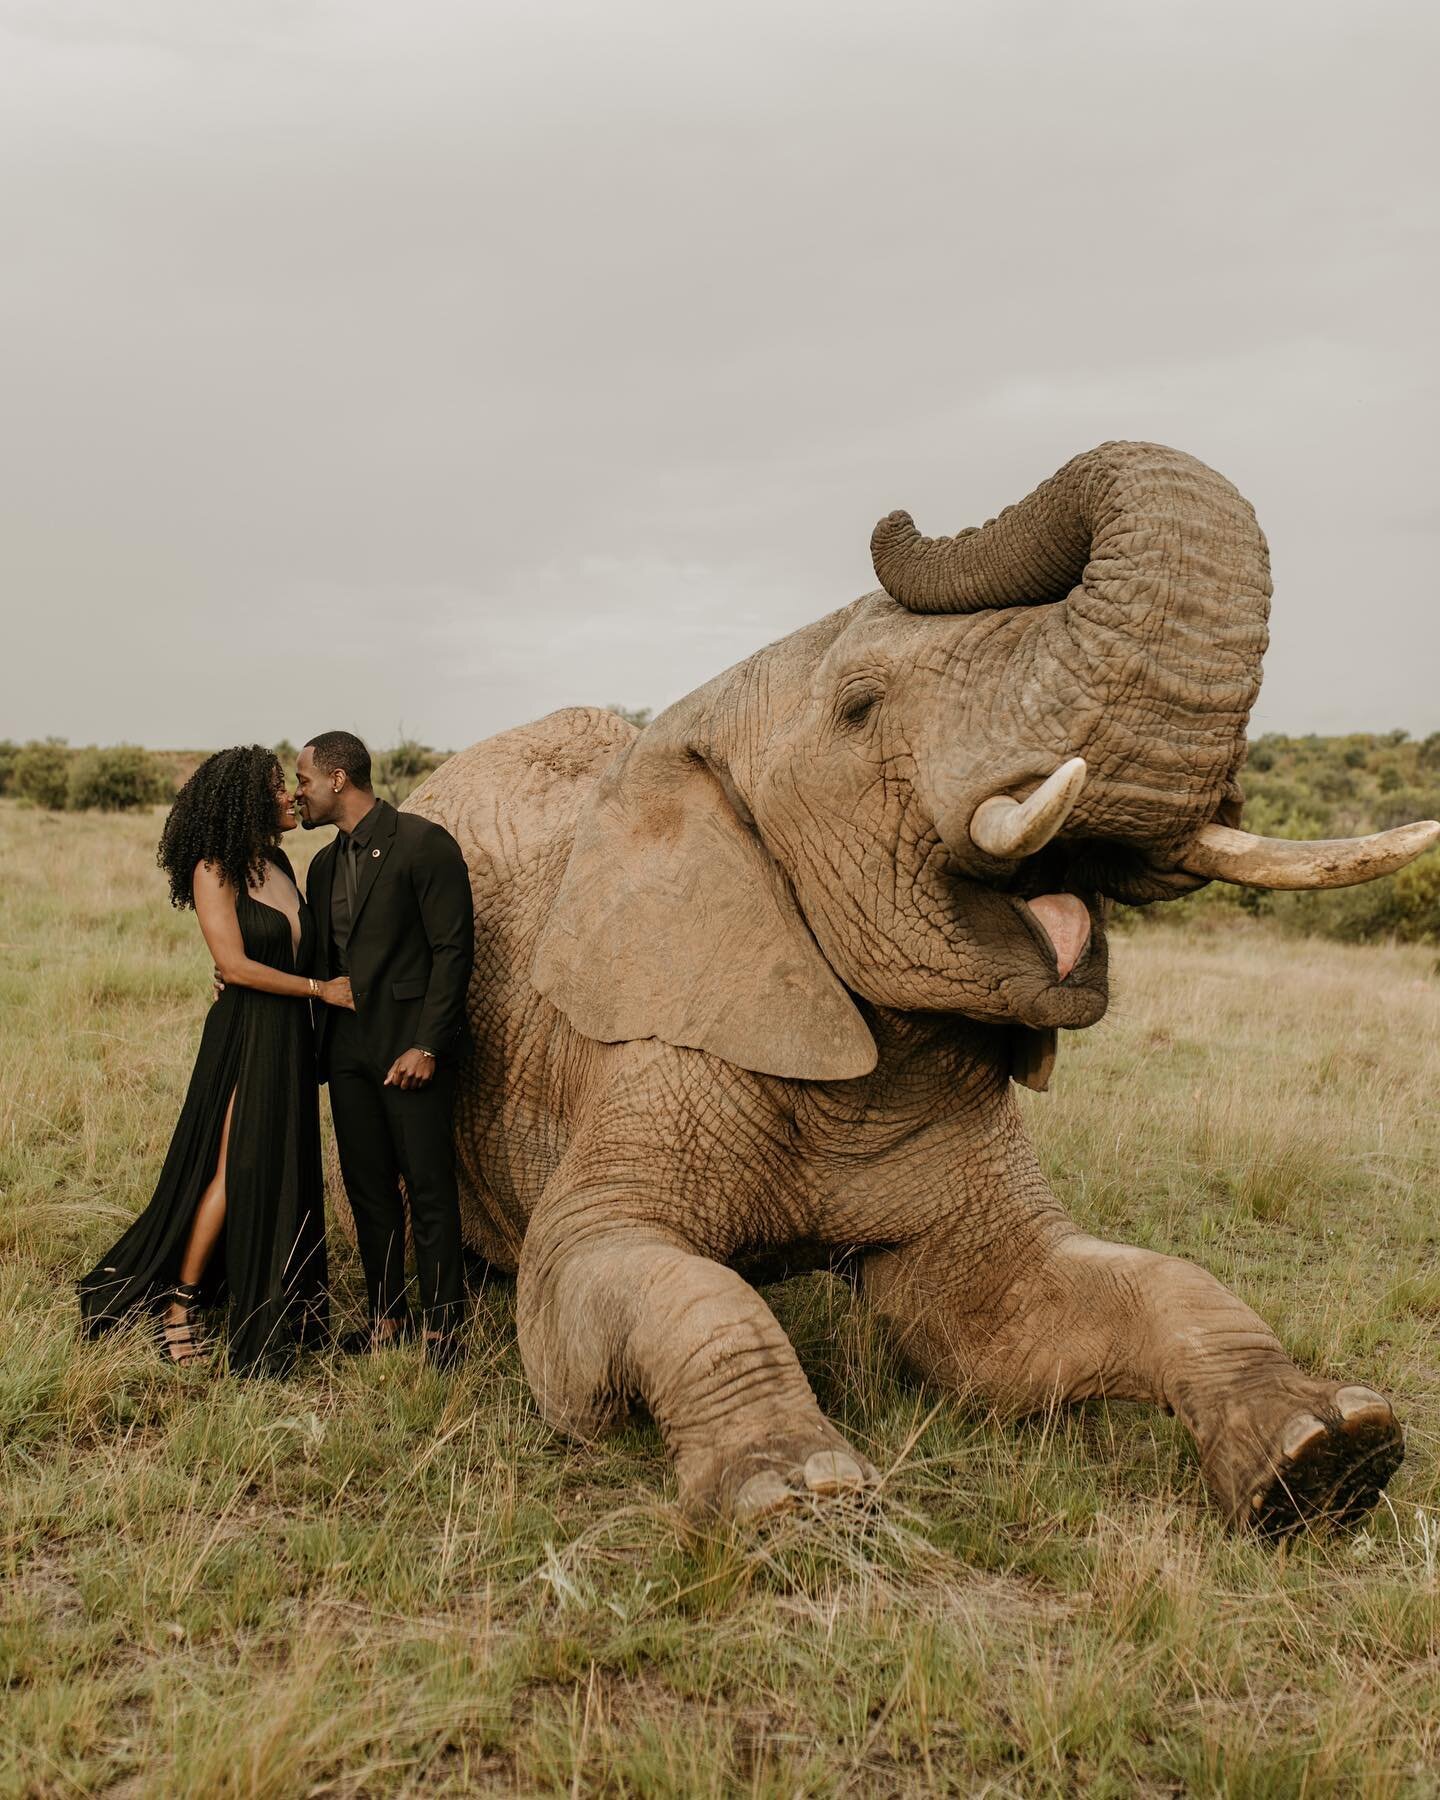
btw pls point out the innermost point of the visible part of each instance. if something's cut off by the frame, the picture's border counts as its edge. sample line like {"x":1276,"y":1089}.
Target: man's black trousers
{"x":383,"y":1133}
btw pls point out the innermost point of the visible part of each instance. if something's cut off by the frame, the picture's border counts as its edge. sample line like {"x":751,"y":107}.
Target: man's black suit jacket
{"x":412,"y":938}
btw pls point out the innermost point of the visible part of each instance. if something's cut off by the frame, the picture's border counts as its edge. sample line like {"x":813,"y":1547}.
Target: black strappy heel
{"x":179,"y":1335}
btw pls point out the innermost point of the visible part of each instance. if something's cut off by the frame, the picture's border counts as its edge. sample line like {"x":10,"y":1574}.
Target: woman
{"x":240,"y":1204}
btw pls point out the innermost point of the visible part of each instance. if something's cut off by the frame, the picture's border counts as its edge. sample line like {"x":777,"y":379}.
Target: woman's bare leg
{"x":205,"y":1228}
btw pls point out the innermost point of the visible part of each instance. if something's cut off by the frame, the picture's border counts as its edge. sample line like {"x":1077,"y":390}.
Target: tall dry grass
{"x":372,"y":1580}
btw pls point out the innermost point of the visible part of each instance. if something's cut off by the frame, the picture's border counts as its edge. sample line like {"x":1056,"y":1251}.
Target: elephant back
{"x":511,"y":803}
{"x":527,"y":783}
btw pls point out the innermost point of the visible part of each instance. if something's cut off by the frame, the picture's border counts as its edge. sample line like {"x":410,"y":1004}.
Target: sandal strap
{"x":178,"y":1333}
{"x":178,"y":1338}
{"x":181,"y":1337}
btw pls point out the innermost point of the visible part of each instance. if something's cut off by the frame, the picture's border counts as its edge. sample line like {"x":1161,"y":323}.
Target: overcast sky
{"x":415,"y":365}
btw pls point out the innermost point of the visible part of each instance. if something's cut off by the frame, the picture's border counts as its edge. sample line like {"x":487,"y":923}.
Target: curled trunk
{"x":1151,"y":583}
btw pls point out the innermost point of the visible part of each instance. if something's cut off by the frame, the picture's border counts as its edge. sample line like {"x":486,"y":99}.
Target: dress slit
{"x":255,"y":1063}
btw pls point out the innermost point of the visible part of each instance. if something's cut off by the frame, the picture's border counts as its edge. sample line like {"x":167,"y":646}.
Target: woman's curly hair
{"x":224,"y":815}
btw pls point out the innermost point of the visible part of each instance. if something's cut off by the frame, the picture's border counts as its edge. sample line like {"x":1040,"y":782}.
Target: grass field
{"x":376,"y":1580}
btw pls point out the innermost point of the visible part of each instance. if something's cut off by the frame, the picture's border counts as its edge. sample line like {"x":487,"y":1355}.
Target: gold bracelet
{"x":314,"y":987}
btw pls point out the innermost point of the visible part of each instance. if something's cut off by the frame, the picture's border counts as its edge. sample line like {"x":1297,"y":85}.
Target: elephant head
{"x":923,"y":800}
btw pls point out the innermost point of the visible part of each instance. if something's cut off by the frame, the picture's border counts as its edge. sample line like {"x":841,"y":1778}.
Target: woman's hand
{"x":336,"y":992}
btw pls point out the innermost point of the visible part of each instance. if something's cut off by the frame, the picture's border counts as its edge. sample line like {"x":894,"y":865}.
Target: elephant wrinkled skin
{"x":752,"y":986}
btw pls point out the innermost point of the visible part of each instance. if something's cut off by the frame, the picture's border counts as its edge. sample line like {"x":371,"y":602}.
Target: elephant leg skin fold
{"x":626,"y":1315}
{"x":1076,"y":1318}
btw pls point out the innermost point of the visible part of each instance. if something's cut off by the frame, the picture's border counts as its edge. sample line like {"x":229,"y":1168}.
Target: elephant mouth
{"x":1038,"y":933}
{"x":1057,"y":899}
{"x":1062,"y":925}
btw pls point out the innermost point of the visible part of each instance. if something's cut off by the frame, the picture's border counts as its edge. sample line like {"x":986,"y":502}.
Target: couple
{"x":364,"y":987}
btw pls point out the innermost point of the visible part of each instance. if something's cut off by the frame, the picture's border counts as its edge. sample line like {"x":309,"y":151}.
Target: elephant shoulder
{"x":571,"y":745}
{"x":521,"y":789}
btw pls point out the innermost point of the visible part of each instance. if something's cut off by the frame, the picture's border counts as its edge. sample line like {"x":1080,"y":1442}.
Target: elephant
{"x":753,"y":984}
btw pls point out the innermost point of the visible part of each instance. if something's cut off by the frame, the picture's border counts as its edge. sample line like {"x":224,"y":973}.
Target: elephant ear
{"x":674,"y":922}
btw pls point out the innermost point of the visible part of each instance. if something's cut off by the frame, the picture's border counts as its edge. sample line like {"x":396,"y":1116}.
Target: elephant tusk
{"x":1221,"y":854}
{"x":1011,"y":829}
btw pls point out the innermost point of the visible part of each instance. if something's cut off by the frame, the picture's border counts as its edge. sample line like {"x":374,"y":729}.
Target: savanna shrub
{"x":398,"y":771}
{"x":408,"y":758}
{"x":41,"y":774}
{"x":115,"y":779}
{"x":1400,"y":805}
{"x":1417,"y":899}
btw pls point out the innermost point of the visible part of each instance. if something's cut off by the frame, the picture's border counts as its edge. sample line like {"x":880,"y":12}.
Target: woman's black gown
{"x":270,"y":1258}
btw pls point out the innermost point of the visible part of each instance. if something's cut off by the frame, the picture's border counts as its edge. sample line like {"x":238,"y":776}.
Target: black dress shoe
{"x":445,"y":1353}
{"x":365,"y":1340}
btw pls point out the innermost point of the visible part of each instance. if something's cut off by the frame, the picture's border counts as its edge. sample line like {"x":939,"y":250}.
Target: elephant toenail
{"x":831,"y":1472}
{"x":1302,"y":1430}
{"x":762,"y":1493}
{"x":1352,"y":1402}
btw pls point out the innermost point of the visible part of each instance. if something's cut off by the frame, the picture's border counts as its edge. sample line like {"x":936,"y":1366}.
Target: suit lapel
{"x":373,"y":860}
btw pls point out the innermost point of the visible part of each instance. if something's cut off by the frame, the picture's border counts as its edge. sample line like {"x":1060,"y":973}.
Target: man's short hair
{"x":342,"y":750}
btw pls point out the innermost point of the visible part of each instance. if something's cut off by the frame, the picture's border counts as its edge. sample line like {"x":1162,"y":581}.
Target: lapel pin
{"x":374,"y":852}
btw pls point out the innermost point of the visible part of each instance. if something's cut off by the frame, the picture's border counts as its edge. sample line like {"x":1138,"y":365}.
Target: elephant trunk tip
{"x":911,"y":568}
{"x":896,"y":531}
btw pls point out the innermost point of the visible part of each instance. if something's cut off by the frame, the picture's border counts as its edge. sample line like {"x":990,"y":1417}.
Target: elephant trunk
{"x":1161,"y":575}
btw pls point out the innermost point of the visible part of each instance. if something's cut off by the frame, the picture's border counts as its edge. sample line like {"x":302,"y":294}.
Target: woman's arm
{"x":215,"y":909}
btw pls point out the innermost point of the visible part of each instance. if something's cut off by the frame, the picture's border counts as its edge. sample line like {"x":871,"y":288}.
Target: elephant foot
{"x":774,"y":1472}
{"x":1324,"y":1463}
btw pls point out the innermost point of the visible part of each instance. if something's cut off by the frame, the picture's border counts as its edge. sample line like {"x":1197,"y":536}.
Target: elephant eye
{"x":856,"y":705}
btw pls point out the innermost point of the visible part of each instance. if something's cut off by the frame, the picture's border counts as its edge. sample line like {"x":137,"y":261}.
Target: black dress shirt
{"x":349,"y":848}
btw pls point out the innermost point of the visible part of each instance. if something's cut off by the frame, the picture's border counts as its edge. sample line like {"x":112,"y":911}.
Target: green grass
{"x":372,"y":1580}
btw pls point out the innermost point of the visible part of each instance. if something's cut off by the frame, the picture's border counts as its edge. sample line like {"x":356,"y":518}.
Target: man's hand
{"x":219,"y":985}
{"x":413,"y":1069}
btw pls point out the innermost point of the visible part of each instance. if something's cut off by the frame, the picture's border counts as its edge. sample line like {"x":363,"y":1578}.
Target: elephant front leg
{"x":611,"y":1315}
{"x":1059,"y":1315}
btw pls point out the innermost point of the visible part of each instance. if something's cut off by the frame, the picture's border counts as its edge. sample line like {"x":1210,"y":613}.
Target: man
{"x":392,"y":906}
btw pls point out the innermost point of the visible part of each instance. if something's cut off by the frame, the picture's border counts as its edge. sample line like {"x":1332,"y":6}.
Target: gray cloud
{"x":434,"y":365}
